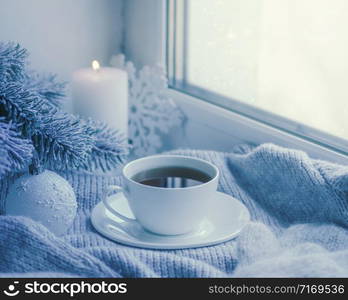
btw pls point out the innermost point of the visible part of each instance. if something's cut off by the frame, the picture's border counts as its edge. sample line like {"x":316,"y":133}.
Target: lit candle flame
{"x":95,"y":65}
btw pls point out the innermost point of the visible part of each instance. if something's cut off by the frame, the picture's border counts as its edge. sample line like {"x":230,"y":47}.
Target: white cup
{"x":163,"y":210}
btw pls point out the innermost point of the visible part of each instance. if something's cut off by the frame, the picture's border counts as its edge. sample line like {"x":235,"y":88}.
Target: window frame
{"x":176,"y":50}
{"x":239,"y":122}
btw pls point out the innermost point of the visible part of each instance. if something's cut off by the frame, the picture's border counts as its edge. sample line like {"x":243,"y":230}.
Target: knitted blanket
{"x":298,"y":206}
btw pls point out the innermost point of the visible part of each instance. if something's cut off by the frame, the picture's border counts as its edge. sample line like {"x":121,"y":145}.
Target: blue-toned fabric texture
{"x":299,"y":226}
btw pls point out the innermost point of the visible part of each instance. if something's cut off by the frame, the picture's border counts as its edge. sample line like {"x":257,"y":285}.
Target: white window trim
{"x":147,"y":19}
{"x":247,"y":130}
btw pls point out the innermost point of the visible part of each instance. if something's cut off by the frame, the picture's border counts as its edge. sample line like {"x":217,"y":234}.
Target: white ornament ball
{"x":46,"y":198}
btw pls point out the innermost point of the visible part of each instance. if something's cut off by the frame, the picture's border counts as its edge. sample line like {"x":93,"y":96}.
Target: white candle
{"x":102,"y":94}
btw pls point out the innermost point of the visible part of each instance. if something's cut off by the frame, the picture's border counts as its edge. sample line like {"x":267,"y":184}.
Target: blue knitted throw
{"x":299,"y":212}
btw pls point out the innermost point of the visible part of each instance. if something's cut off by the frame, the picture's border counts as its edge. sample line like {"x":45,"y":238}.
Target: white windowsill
{"x":211,"y":127}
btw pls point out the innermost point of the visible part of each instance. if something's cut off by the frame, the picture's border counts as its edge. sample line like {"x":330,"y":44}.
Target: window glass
{"x":287,"y":57}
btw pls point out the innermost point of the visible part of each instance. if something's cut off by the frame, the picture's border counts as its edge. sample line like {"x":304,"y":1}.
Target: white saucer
{"x":226,"y":219}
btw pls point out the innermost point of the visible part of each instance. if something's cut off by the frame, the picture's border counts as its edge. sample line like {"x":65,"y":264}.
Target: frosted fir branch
{"x":23,"y":106}
{"x":62,"y":141}
{"x":12,"y":62}
{"x":15,"y":152}
{"x":109,"y":149}
{"x":47,"y":86}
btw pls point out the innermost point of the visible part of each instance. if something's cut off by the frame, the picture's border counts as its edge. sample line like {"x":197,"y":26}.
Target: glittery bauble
{"x":46,"y":198}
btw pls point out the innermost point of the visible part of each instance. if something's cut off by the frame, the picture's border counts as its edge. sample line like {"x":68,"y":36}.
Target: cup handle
{"x":114,"y":189}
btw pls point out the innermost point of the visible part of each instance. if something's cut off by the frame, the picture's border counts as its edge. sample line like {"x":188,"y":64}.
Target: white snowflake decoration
{"x":151,"y":111}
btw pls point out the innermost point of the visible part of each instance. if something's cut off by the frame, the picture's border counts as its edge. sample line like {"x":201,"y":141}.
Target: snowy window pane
{"x":288,"y":57}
